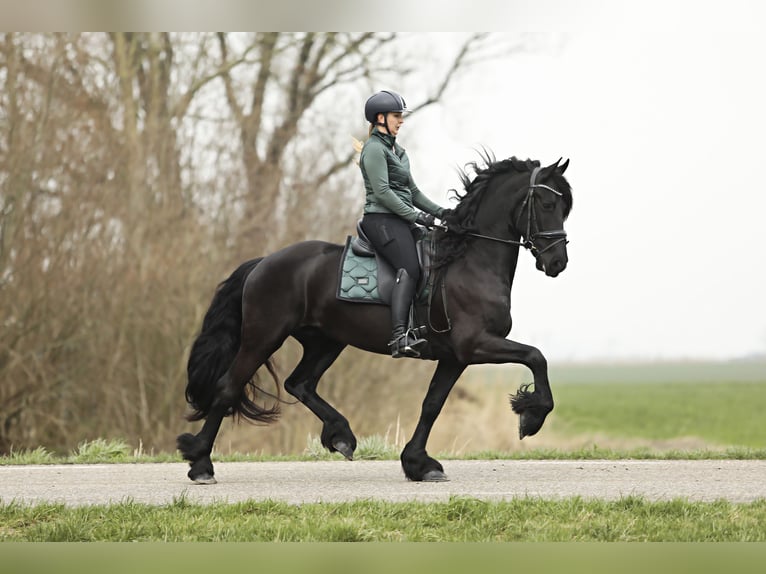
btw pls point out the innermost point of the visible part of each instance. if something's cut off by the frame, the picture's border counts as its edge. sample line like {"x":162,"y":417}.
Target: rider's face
{"x":394,"y":121}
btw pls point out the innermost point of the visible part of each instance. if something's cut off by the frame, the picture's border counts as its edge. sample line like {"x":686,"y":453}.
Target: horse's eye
{"x":548,"y":205}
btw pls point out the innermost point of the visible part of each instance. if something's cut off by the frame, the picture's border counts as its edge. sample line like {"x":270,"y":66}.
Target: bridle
{"x":530,"y":236}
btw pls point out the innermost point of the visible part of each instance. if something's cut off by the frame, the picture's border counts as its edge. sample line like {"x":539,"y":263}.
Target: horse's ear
{"x":563,"y":167}
{"x":545,"y":173}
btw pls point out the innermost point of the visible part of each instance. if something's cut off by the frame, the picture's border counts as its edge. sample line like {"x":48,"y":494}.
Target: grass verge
{"x":459,"y":520}
{"x":375,"y":447}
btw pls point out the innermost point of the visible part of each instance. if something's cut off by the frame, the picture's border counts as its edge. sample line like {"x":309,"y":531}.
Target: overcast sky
{"x":664,"y":124}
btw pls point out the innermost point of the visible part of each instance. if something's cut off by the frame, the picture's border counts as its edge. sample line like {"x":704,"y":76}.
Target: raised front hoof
{"x":344,"y":448}
{"x":435,"y":476}
{"x":532,"y":410}
{"x":530,"y":422}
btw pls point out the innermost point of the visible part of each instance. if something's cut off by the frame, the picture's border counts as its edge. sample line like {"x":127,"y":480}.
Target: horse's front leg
{"x":416,"y":463}
{"x":531,"y":406}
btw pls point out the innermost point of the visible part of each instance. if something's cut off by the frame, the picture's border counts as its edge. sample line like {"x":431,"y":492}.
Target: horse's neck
{"x":492,"y":263}
{"x":496,"y":260}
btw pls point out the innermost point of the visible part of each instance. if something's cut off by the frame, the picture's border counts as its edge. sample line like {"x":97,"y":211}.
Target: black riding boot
{"x":404,"y":343}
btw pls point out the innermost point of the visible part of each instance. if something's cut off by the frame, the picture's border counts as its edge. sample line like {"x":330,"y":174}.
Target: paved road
{"x":330,"y":481}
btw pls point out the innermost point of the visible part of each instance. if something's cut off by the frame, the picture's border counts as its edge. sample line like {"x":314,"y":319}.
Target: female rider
{"x":389,"y":211}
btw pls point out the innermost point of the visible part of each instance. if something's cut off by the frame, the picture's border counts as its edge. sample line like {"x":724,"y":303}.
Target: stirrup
{"x":408,"y":347}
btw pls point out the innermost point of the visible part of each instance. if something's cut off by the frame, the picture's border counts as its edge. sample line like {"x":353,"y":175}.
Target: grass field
{"x":724,"y":414}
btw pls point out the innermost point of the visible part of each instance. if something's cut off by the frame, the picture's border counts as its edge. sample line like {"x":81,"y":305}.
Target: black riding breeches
{"x":392,"y":237}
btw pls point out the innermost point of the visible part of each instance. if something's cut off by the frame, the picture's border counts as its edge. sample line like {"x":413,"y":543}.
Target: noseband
{"x":530,"y":236}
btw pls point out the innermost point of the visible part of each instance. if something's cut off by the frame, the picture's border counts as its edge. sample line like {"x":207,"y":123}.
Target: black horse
{"x":292,"y":293}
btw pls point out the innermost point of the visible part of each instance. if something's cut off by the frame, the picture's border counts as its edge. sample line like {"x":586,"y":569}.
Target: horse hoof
{"x":205,"y":479}
{"x":344,"y":448}
{"x":435,"y":476}
{"x":530,"y":422}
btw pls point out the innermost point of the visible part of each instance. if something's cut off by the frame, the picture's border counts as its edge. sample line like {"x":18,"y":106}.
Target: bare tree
{"x":272,"y":99}
{"x":94,"y":223}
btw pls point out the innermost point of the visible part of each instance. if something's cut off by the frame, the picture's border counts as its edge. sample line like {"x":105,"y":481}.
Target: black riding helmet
{"x":383,"y":103}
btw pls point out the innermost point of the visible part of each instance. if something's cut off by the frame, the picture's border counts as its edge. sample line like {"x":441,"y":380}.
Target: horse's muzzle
{"x":551,"y":268}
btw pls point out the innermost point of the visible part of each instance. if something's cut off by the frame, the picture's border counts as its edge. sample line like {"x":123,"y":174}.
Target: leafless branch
{"x":457,"y":65}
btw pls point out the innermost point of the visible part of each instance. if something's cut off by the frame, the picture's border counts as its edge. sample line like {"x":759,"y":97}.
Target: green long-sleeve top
{"x":388,"y":181}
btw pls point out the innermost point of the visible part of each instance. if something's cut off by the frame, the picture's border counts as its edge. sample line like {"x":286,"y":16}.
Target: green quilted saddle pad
{"x":358,"y":277}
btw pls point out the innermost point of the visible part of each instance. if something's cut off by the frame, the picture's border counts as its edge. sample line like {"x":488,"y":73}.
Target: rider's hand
{"x":425,"y":219}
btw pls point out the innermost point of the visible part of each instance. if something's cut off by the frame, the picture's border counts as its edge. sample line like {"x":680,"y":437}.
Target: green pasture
{"x":721,"y":403}
{"x":723,"y":414}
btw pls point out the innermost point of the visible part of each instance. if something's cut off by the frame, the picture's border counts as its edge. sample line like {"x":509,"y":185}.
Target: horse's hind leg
{"x":319,"y":352}
{"x":197,"y":448}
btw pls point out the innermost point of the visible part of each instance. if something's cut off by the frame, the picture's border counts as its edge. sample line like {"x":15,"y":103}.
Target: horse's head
{"x":540,"y":216}
{"x":515,"y":202}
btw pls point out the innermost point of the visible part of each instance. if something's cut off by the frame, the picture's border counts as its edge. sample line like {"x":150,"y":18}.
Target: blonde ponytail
{"x":358,"y":145}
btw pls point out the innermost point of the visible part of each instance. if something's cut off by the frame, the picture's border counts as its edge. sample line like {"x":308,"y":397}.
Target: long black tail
{"x":216,"y":346}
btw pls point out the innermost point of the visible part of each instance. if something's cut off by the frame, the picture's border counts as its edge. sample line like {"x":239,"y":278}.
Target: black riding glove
{"x":425,"y":219}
